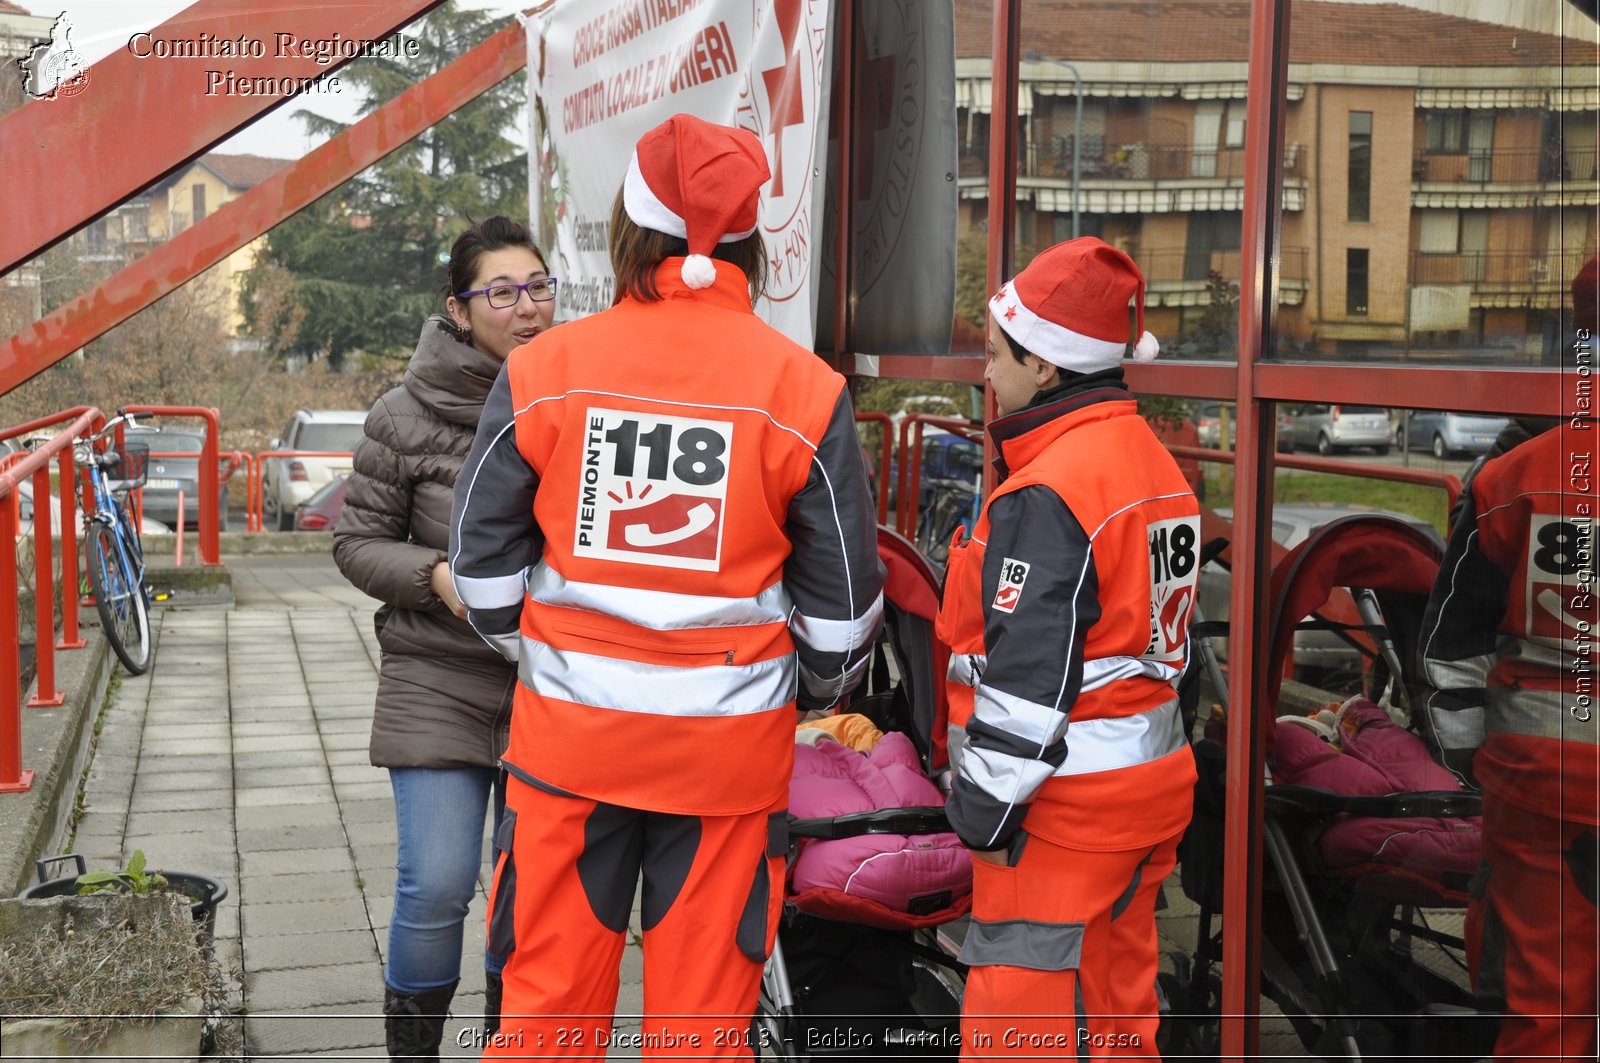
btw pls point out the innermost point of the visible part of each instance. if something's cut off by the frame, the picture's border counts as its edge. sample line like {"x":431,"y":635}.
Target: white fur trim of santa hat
{"x":1070,"y":306}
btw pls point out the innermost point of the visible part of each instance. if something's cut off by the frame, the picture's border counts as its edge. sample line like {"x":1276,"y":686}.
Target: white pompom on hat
{"x":1070,"y":306}
{"x":699,"y":182}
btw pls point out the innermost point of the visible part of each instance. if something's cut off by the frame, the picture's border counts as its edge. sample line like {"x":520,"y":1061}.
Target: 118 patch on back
{"x":653,"y":489}
{"x":1174,"y":557}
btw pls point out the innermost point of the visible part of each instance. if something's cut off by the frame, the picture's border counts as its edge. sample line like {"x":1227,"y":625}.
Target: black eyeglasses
{"x":501,"y":296}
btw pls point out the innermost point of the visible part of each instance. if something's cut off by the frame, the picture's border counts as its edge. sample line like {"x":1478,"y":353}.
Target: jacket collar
{"x":730,"y":291}
{"x":449,"y":377}
{"x":1019,"y":437}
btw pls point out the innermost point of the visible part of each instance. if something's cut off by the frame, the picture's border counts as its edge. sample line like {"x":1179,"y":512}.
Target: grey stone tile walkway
{"x":242,"y":753}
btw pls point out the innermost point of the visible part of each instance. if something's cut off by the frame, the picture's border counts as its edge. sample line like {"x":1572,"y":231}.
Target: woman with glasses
{"x":444,"y":695}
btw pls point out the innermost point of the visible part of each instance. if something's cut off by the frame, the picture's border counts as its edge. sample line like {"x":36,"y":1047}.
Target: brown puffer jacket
{"x":444,"y":695}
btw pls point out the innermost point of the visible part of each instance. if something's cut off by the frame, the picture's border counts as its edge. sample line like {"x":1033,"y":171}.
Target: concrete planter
{"x":171,"y":1035}
{"x":173,"y":1031}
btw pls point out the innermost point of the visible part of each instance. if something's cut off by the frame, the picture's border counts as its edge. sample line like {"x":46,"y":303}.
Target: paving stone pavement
{"x":242,"y":754}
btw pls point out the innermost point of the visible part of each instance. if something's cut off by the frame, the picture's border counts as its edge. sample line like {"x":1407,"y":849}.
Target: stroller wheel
{"x":1190,"y":1023}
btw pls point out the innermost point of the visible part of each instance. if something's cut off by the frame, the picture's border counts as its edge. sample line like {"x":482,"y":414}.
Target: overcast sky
{"x":99,"y":27}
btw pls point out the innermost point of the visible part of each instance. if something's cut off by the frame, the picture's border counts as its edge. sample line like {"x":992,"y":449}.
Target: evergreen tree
{"x":365,"y":260}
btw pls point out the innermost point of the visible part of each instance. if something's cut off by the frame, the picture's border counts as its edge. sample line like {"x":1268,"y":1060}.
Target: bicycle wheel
{"x":119,"y":597}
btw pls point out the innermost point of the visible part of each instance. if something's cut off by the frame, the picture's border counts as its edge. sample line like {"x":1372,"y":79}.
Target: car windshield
{"x":340,"y":437}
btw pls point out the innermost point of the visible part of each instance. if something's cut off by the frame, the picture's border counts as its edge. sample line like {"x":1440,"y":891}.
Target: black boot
{"x":491,"y":1003}
{"x":413,"y":1023}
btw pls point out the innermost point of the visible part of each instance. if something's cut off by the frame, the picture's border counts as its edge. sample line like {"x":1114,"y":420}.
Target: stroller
{"x":855,"y":970}
{"x":1364,"y":835}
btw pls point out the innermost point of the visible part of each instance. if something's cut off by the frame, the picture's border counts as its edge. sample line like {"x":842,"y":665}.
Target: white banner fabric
{"x":603,"y":74}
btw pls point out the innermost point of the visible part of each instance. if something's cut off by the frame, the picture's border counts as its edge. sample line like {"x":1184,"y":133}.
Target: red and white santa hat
{"x":1070,"y":306}
{"x":697,"y":181}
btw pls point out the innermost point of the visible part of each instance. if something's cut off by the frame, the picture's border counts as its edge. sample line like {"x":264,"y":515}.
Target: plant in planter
{"x":114,"y":964}
{"x":202,"y":891}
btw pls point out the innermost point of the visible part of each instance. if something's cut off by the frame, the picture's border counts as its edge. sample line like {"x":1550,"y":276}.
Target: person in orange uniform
{"x":665,"y":521}
{"x":1509,"y":652}
{"x":1067,"y":615}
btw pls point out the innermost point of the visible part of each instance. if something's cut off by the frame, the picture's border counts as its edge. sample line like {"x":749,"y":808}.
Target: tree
{"x":365,"y":260}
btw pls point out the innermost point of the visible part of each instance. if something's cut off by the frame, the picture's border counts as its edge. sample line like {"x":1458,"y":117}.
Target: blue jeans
{"x":439,"y":813}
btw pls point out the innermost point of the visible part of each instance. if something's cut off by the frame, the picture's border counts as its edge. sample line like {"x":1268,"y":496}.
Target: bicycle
{"x":112,"y":550}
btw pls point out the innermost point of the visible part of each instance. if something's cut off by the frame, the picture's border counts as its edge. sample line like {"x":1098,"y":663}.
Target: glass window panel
{"x":1481,"y":187}
{"x":1158,"y":144}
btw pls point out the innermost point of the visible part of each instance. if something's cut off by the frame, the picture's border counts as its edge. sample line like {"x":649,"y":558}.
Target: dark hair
{"x":637,"y":251}
{"x":1016,"y":350}
{"x":490,"y":234}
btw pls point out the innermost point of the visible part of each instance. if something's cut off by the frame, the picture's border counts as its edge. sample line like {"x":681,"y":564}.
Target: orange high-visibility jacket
{"x":1509,"y":637}
{"x":1067,"y":614}
{"x":665,"y":521}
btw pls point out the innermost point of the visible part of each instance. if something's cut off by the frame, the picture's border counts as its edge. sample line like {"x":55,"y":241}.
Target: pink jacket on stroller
{"x":1380,"y":758}
{"x":894,"y":881}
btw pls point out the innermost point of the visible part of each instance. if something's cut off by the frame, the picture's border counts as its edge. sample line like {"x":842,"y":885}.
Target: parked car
{"x":1208,"y":425}
{"x":287,"y":482}
{"x":321,"y":511}
{"x":1447,"y":434}
{"x":1318,"y":655}
{"x":1330,"y":429}
{"x":166,"y":477}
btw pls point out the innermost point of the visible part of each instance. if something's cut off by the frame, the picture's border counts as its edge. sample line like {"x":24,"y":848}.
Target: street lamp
{"x":1077,"y":126}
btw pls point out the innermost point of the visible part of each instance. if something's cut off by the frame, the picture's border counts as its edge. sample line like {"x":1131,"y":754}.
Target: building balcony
{"x":1500,"y":279}
{"x":1179,"y":277}
{"x":1134,"y":178}
{"x":1487,"y":179}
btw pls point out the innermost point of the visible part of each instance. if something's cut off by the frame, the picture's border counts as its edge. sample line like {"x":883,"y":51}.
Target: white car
{"x":287,"y":482}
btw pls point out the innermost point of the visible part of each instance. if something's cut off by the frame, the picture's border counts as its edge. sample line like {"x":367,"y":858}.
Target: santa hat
{"x":1070,"y":306}
{"x":699,"y":182}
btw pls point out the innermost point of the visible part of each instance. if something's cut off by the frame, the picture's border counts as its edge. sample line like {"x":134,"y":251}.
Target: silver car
{"x":1447,"y":434}
{"x":1336,"y":428}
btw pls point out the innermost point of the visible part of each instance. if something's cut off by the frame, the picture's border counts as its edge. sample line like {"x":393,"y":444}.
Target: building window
{"x":1360,"y":183}
{"x":1355,"y":281}
{"x":197,"y":194}
{"x":1210,"y":232}
{"x":1446,"y":132}
{"x":1440,"y":232}
{"x":1233,"y":129}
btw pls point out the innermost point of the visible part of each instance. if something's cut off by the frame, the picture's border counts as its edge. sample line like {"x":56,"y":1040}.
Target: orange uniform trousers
{"x":1531,"y":938}
{"x":562,"y":894}
{"x":1083,"y":925}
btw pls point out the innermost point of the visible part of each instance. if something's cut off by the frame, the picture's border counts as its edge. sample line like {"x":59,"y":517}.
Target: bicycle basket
{"x":129,"y":471}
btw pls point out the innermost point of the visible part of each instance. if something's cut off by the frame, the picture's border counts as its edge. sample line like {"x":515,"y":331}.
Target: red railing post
{"x":12,"y":778}
{"x":70,"y":639}
{"x":46,"y":696}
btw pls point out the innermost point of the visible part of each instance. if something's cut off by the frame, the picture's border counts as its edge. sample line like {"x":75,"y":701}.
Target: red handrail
{"x":905,"y":510}
{"x":13,"y":779}
{"x":879,"y":417}
{"x":209,"y":523}
{"x":256,"y":501}
{"x":1449,"y":483}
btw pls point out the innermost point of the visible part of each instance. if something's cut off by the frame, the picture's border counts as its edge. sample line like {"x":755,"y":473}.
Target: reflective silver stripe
{"x":1007,"y":778}
{"x":1123,"y":742}
{"x":488,"y":592}
{"x":1565,"y":716}
{"x":955,"y":744}
{"x":1038,"y":724}
{"x":828,"y":687}
{"x":1466,"y":673}
{"x":509,"y":644}
{"x":663,"y":690}
{"x":1457,"y":728}
{"x":1104,"y":670}
{"x":837,"y":636}
{"x":659,"y":610}
{"x":966,"y":669}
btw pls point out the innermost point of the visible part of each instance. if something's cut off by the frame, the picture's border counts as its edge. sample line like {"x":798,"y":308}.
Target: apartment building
{"x":1440,"y":186}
